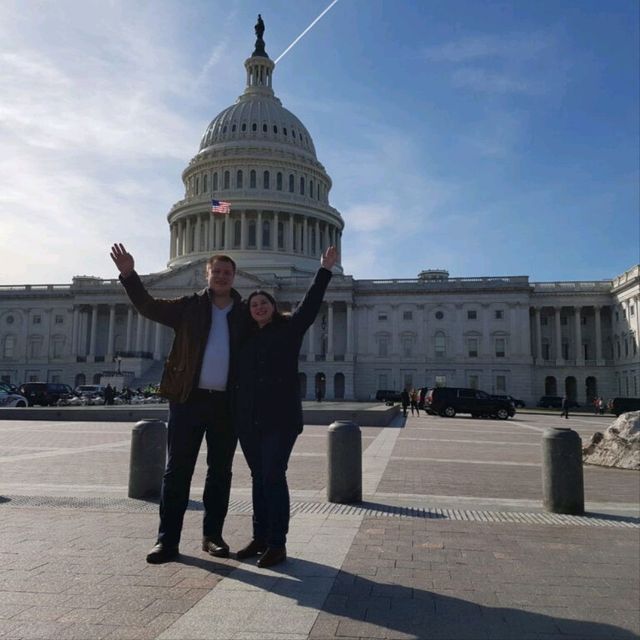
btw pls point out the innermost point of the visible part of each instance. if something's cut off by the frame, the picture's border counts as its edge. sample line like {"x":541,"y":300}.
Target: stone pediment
{"x":188,"y":278}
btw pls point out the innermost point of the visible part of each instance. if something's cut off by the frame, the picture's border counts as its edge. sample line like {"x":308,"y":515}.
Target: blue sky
{"x":483,"y":137}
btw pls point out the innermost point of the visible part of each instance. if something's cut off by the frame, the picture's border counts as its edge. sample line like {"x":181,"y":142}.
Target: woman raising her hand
{"x":268,"y":408}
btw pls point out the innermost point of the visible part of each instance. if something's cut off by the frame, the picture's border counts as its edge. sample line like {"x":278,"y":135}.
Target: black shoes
{"x":162,"y":553}
{"x":254,"y":548}
{"x":215,"y":546}
{"x":272,"y":556}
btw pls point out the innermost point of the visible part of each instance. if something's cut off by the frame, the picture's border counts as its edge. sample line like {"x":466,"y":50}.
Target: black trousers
{"x":203,"y":414}
{"x":267,"y":455}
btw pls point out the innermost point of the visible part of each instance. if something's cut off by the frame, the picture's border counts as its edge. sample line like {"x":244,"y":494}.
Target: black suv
{"x":385,"y":395}
{"x":45,"y":393}
{"x":447,"y":401}
{"x":555,"y":402}
{"x":517,"y":403}
{"x":622,"y":405}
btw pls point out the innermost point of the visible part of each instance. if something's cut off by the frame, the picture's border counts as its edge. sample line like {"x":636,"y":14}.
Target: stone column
{"x":317,"y":231}
{"x":538,"y":328}
{"x":578,"y":336}
{"x":327,"y":242}
{"x":311,"y":344}
{"x":259,"y":231}
{"x":157,"y":355}
{"x":559,"y":358}
{"x":396,"y":350}
{"x":305,"y":235}
{"x":146,"y":332}
{"x":94,"y":333}
{"x":485,"y":348}
{"x":227,"y":232}
{"x":196,"y":240}
{"x":349,"y":355}
{"x":291,"y":232}
{"x":276,"y":228}
{"x":599,"y":360}
{"x":243,"y":231}
{"x":139,"y":321}
{"x":330,"y":331}
{"x":75,"y":330}
{"x":111,"y":331}
{"x":458,"y":336}
{"x":127,"y":346}
{"x":187,"y":244}
{"x":211,"y":244}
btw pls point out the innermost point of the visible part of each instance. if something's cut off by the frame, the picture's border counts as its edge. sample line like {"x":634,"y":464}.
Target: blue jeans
{"x":267,"y":455}
{"x":201,"y":415}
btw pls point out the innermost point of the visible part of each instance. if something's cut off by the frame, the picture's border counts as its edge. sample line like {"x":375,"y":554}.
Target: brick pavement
{"x":79,"y":571}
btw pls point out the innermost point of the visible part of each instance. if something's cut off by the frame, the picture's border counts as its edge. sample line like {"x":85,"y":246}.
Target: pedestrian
{"x":413,"y":398}
{"x":268,"y":408}
{"x":208,"y":327}
{"x":405,"y":400}
{"x":565,"y":407}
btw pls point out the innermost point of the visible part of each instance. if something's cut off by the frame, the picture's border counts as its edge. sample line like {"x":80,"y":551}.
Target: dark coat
{"x":190,"y":319}
{"x":267,"y":390}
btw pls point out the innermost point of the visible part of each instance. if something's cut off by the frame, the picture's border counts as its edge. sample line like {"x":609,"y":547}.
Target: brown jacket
{"x":190,"y":319}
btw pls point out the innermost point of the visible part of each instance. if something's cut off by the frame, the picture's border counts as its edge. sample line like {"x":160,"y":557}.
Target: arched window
{"x":9,"y":347}
{"x":284,"y":130}
{"x":79,"y":379}
{"x":338,"y":386}
{"x":239,"y":177}
{"x":251,"y":240}
{"x":215,"y":181}
{"x":440,"y":344}
{"x":244,"y":126}
{"x":311,"y":188}
{"x":264,"y":128}
{"x":227,"y":180}
{"x":279,"y":181}
{"x":291,"y":187}
{"x":252,"y":179}
{"x":275,"y":129}
{"x":237,"y":234}
{"x":205,"y":183}
{"x":265,"y":180}
{"x":197,"y":186}
{"x":254,"y":127}
{"x":301,"y":185}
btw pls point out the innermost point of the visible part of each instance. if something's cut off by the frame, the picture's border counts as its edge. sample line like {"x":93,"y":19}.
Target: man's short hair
{"x":223,"y":257}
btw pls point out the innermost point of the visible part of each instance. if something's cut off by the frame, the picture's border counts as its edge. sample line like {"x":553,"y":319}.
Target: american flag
{"x":220,"y":206}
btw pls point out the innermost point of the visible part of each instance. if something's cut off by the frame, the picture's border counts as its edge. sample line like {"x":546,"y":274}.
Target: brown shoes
{"x":215,"y":546}
{"x":272,"y":556}
{"x":162,"y":553}
{"x":254,"y":548}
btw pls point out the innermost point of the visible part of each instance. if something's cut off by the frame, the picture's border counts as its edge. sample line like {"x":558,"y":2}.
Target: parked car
{"x":422,"y":396}
{"x":622,"y":405}
{"x":447,"y":401}
{"x":89,"y":389}
{"x":10,"y":399}
{"x":517,"y":403}
{"x":46,"y":394}
{"x":11,"y":388}
{"x":555,"y":402}
{"x":385,"y":395}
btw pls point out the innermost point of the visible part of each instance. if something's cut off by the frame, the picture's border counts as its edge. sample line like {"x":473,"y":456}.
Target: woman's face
{"x":261,"y":309}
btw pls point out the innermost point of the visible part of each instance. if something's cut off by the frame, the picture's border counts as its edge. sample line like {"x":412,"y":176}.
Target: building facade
{"x":500,"y":334}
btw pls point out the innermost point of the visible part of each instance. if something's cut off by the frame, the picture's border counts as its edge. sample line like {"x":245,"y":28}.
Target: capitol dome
{"x":259,"y":157}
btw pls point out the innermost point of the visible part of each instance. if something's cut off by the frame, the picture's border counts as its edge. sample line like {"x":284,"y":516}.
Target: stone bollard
{"x":562,"y":480}
{"x":344,"y":462}
{"x":148,"y":459}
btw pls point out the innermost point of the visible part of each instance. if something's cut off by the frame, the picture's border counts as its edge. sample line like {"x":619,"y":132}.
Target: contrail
{"x":305,"y":31}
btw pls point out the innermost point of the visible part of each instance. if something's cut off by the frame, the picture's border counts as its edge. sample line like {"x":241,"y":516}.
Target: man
{"x":565,"y":407}
{"x":208,"y":326}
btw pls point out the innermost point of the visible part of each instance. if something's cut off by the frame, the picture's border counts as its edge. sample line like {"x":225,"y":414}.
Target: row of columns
{"x":211,"y":233}
{"x":311,"y":334}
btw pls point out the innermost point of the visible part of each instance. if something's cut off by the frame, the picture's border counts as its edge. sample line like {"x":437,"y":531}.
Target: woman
{"x":268,"y":409}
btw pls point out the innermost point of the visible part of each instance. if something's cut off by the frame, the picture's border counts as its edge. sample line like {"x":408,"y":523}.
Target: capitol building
{"x":505,"y":335}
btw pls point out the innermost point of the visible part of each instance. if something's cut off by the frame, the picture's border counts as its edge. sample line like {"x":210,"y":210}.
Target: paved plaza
{"x":450,"y":542}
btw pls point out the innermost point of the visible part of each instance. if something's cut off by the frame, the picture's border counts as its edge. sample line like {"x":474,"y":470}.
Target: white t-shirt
{"x":215,"y":363}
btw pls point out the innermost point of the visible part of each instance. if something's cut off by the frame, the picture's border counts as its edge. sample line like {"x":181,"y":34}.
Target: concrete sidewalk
{"x":451,"y":542}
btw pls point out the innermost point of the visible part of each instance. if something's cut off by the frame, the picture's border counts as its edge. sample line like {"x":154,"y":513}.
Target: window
{"x":284,"y":130}
{"x":473,"y":381}
{"x":440,"y":344}
{"x":252,"y":234}
{"x":499,"y":314}
{"x":58,"y":347}
{"x":407,"y":346}
{"x":10,"y":319}
{"x":239,"y":179}
{"x":291,"y":187}
{"x":382,"y":317}
{"x":266,"y":233}
{"x":252,"y":179}
{"x":311,"y":188}
{"x":565,"y":350}
{"x":280,"y":235}
{"x":441,"y":381}
{"x":59,"y":319}
{"x":500,"y":347}
{"x":439,"y":315}
{"x":544,"y":321}
{"x":632,"y":311}
{"x":9,"y":347}
{"x":407,"y":315}
{"x":215,"y":182}
{"x":264,"y":128}
{"x":35,"y":347}
{"x":197,"y":186}
{"x":472,"y":347}
{"x":301,"y":185}
{"x":275,"y":129}
{"x":205,"y":183}
{"x":36,"y":319}
{"x":227,"y":179}
{"x":244,"y":126}
{"x":501,"y":384}
{"x":546,"y":351}
{"x":279,"y":181}
{"x":472,"y":314}
{"x":254,"y":127}
{"x":563,"y":320}
{"x":383,"y":346}
{"x":266,"y":180}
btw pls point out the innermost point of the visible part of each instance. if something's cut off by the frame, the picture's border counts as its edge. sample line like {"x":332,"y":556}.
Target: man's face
{"x":220,"y":276}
